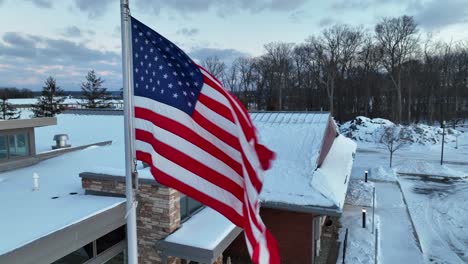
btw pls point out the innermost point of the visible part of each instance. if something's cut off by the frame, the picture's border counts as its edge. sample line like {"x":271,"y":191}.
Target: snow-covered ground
{"x":426,"y":219}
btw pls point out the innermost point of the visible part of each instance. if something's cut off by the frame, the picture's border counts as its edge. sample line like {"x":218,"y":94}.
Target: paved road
{"x":398,"y":243}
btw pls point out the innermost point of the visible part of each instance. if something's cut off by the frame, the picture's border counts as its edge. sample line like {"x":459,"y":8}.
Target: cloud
{"x":222,"y":7}
{"x":42,"y":3}
{"x":189,"y":32}
{"x":35,"y":57}
{"x":225,"y":55}
{"x":72,"y":31}
{"x":94,"y":8}
{"x":297,"y":16}
{"x":437,"y":14}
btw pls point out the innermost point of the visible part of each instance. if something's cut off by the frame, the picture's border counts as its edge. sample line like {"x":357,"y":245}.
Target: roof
{"x":33,"y":215}
{"x":198,"y":241}
{"x":294,"y":181}
{"x":27,"y":123}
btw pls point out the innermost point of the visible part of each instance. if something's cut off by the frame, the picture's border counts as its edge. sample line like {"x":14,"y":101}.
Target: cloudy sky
{"x":64,"y":39}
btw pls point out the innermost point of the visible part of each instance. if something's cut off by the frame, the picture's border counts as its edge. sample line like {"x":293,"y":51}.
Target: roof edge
{"x":320,"y":210}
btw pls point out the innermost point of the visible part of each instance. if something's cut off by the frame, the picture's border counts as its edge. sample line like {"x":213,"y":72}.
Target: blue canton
{"x":162,"y":71}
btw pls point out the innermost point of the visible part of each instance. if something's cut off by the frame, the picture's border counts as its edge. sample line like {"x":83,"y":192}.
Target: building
{"x":307,"y":183}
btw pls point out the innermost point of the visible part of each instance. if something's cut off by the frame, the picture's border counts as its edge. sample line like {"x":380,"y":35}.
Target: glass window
{"x":110,"y":239}
{"x":188,"y":206}
{"x":19,"y":145}
{"x":118,"y":259}
{"x":77,"y":257}
{"x":3,"y":147}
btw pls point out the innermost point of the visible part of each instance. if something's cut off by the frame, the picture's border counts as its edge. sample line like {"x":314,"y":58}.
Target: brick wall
{"x":158,"y":212}
{"x":292,"y":230}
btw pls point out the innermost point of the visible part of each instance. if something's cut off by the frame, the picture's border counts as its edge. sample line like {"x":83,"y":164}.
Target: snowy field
{"x":422,"y":206}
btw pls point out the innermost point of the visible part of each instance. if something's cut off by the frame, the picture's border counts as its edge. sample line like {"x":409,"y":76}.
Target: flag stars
{"x":158,"y":82}
{"x":192,"y":93}
{"x":156,"y":58}
{"x":189,"y":104}
{"x":179,"y":83}
{"x":162,"y":91}
{"x":146,"y":56}
{"x":170,"y":85}
{"x":136,"y":70}
{"x":169,"y":64}
{"x":146,"y":42}
{"x":192,"y":74}
{"x":185,"y":93}
{"x":196,"y":84}
{"x":174,"y":73}
{"x":142,"y":78}
{"x":187,"y":83}
{"x":151,"y":50}
{"x":140,"y":34}
{"x":141,"y":48}
{"x":154,"y":73}
{"x":165,"y":76}
{"x":160,"y":67}
{"x":175,"y":95}
{"x":136,"y":55}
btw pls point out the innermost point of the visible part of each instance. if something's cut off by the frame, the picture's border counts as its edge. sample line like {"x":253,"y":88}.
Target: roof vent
{"x":61,"y":141}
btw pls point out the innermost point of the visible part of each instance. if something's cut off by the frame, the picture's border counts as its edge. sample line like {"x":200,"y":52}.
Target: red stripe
{"x":187,"y":134}
{"x":190,"y":164}
{"x":216,"y":130}
{"x":217,"y":107}
{"x":256,"y":183}
{"x":172,"y":182}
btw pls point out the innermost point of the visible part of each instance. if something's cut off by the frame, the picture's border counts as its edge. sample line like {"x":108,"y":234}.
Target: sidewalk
{"x":397,"y":240}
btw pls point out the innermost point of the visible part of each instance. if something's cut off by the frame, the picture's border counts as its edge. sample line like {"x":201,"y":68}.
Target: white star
{"x":192,"y":74}
{"x":148,"y":33}
{"x":136,"y":40}
{"x":169,"y":64}
{"x":158,"y":82}
{"x":196,"y":84}
{"x":151,"y":80}
{"x":136,"y":85}
{"x":146,"y":56}
{"x":147,"y":42}
{"x":141,"y":34}
{"x":151,"y":50}
{"x":146,"y":87}
{"x":136,"y":69}
{"x":164,"y":56}
{"x":134,"y":26}
{"x":187,"y":83}
{"x":149,"y":64}
{"x":141,"y":47}
{"x":192,"y":93}
{"x":189,"y":104}
{"x":142,"y":78}
{"x":141,"y":63}
{"x":156,"y":58}
{"x":167,"y":49}
{"x":175,"y":95}
{"x":178,"y":65}
{"x":170,"y":85}
{"x":165,"y":76}
{"x":162,"y":91}
{"x":161,"y":67}
{"x":136,"y":55}
{"x":146,"y":71}
{"x":174,"y":73}
{"x":186,"y":64}
{"x":154,"y":73}
{"x":185,"y":93}
{"x":154,"y":88}
{"x":179,"y":83}
{"x":183,"y":74}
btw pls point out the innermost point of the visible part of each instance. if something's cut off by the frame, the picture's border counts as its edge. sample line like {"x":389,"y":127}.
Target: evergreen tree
{"x":7,"y":110}
{"x":50,"y":103}
{"x":95,"y":96}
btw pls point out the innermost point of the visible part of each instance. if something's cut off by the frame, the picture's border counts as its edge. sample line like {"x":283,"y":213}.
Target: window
{"x":188,"y":207}
{"x":77,"y":257}
{"x":18,"y":145}
{"x":3,"y":148}
{"x":110,"y":239}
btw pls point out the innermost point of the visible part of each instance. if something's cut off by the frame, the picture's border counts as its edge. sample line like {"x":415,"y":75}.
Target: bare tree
{"x":397,"y":39}
{"x":394,"y":138}
{"x":215,"y":66}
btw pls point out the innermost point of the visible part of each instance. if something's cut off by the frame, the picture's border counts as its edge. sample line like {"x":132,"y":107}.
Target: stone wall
{"x":158,"y":212}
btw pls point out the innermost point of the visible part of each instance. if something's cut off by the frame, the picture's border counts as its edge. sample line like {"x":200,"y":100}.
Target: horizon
{"x":75,"y":36}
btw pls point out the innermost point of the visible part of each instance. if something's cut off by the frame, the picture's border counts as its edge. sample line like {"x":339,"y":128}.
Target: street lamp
{"x":443,"y":140}
{"x":364,"y":217}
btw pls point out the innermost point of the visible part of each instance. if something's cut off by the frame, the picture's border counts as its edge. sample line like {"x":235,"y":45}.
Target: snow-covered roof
{"x":293,"y":179}
{"x":30,"y":215}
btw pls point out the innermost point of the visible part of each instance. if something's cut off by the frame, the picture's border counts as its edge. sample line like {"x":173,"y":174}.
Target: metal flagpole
{"x":130,"y":170}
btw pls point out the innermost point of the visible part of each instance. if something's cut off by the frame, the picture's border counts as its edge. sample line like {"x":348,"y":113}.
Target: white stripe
{"x":184,"y":119}
{"x":211,"y":78}
{"x":217,"y":119}
{"x":190,"y":179}
{"x":215,"y":95}
{"x":190,"y":149}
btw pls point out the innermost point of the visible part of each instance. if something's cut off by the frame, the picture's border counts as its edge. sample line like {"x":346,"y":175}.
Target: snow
{"x":434,"y":199}
{"x":28,"y":101}
{"x":370,"y":130}
{"x":296,"y":138}
{"x":359,"y":193}
{"x":196,"y":231}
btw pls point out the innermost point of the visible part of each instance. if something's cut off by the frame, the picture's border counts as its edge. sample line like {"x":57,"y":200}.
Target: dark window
{"x":3,"y":148}
{"x":19,"y":145}
{"x":188,"y":207}
{"x":77,"y":257}
{"x":110,"y":239}
{"x":118,"y":259}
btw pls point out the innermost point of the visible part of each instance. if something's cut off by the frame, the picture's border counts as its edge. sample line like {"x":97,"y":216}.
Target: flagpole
{"x":132,"y":252}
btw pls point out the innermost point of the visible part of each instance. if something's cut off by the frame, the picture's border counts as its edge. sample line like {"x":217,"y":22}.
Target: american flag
{"x":198,"y":138}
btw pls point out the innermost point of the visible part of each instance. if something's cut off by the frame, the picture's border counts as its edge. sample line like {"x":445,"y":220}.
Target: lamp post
{"x":364,"y":218}
{"x":443,"y":140}
{"x":365,"y":175}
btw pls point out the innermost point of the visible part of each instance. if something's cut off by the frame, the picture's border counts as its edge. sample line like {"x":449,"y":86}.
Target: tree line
{"x":51,"y":101}
{"x":392,"y":72}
